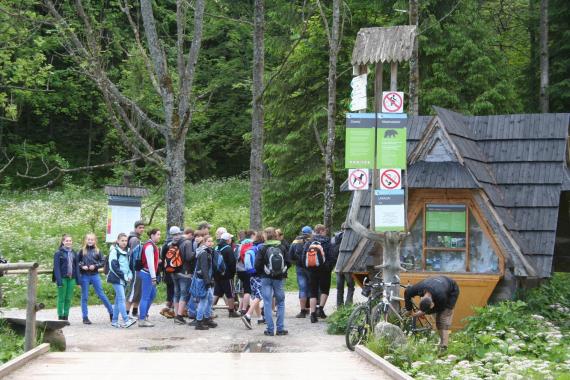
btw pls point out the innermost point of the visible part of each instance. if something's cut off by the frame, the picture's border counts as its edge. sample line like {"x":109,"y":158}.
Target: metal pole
{"x":30,"y":339}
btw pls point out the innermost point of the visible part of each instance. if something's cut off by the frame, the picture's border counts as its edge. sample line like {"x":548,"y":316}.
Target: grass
{"x":12,"y":344}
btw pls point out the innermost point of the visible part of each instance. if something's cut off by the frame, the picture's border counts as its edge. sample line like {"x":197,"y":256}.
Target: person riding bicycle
{"x":438,"y":295}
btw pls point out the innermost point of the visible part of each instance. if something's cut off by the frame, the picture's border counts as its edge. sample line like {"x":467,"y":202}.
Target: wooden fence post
{"x":30,"y":339}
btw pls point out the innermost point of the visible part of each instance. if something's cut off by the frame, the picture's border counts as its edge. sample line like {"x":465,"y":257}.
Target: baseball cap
{"x":226,"y":236}
{"x":307,"y":230}
{"x":174,"y":230}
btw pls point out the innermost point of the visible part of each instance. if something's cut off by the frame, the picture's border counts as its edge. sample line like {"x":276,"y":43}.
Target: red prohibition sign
{"x":390,"y":179}
{"x":392,"y":102}
{"x":359,"y":179}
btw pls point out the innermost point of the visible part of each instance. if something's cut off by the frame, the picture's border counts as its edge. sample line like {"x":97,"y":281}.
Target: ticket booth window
{"x":450,"y":240}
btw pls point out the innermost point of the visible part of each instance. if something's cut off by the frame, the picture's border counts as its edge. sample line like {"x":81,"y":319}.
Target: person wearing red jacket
{"x":150,"y":261}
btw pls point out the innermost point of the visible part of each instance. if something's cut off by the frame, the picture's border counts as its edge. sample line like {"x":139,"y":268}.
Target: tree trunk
{"x":256,"y":157}
{"x":414,"y":63}
{"x":175,"y":179}
{"x":334,"y":47}
{"x":544,"y":56}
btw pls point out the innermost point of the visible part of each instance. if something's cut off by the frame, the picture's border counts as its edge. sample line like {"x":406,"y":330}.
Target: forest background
{"x":477,"y":57}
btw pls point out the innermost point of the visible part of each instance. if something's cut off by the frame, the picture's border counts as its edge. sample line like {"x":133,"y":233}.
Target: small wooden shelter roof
{"x":518,"y":161}
{"x":126,"y":191}
{"x":391,"y":44}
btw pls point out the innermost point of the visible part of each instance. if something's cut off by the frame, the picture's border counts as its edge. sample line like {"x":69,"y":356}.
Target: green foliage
{"x":337,"y":321}
{"x":506,"y":340}
{"x":12,"y":344}
{"x":552,"y":299}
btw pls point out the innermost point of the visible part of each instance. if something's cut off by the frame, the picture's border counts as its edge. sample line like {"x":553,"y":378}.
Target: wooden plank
{"x":20,"y":361}
{"x":30,"y":338}
{"x":393,"y":371}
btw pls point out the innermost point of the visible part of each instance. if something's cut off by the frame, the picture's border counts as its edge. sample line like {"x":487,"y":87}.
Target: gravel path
{"x":229,"y":336}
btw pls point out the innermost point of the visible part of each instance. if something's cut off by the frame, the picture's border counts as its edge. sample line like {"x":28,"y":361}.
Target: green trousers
{"x":64,"y":295}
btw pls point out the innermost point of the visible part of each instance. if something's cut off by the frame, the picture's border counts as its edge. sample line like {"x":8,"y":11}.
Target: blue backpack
{"x":135,"y":259}
{"x":249,"y":259}
{"x":218,"y":262}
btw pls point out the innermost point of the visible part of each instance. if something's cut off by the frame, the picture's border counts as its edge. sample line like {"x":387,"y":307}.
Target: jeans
{"x":148,"y":293}
{"x":181,"y":288}
{"x":192,"y":305}
{"x":205,"y":305}
{"x":273,"y":288}
{"x":64,"y":295}
{"x":119,"y":306}
{"x":303,"y":282}
{"x":340,"y":279}
{"x":95,"y":280}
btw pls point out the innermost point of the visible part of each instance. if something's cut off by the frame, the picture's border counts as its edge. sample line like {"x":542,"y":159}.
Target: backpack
{"x":249,"y":259}
{"x":218,"y":262}
{"x":275,"y":262}
{"x":135,"y":259}
{"x":315,"y":256}
{"x":243,"y":249}
{"x":173,"y":259}
{"x":107,"y":264}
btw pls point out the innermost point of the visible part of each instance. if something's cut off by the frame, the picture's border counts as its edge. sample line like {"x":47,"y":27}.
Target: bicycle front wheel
{"x":358,"y":327}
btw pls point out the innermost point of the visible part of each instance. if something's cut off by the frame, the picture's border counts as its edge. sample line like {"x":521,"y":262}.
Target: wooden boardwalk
{"x":135,"y":365}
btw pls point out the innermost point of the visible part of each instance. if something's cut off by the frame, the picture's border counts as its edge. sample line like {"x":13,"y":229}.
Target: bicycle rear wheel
{"x":358,"y":327}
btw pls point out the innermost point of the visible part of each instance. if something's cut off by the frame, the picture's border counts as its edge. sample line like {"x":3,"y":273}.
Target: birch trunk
{"x":256,"y":156}
{"x":544,"y":56}
{"x":334,"y":47}
{"x":414,"y":63}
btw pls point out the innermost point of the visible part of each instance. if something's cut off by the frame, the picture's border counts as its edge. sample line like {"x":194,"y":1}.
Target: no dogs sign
{"x":358,"y":179}
{"x":390,"y":179}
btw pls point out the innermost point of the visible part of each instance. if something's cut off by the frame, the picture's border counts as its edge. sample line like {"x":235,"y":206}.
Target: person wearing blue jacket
{"x":65,"y":275}
{"x":119,"y":275}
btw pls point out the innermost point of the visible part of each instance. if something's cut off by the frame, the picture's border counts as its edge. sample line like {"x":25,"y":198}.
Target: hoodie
{"x":261,"y":259}
{"x":119,"y":270}
{"x":204,"y":265}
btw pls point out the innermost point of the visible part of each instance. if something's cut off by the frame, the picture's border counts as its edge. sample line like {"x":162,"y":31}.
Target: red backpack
{"x":315,"y":256}
{"x":244,"y":247}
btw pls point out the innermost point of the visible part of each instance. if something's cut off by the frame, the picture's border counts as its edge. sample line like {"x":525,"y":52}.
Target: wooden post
{"x":393,"y":76}
{"x":30,"y":339}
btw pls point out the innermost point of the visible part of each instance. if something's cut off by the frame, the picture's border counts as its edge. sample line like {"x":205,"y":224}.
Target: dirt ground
{"x":230,"y":335}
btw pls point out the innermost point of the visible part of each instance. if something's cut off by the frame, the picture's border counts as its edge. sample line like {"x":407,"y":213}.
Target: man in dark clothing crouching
{"x":438,"y":295}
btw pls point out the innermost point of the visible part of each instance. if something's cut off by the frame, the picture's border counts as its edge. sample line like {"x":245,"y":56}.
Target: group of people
{"x":199,"y":269}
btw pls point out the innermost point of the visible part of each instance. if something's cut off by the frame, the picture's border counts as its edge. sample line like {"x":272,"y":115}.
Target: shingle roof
{"x":392,"y":44}
{"x":126,"y":191}
{"x":519,"y":161}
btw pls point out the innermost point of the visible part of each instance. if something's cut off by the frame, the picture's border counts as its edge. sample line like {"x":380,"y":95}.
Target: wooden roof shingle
{"x":390,"y":44}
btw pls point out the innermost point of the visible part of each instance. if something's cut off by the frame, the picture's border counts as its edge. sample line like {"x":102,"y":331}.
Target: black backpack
{"x":274,"y":262}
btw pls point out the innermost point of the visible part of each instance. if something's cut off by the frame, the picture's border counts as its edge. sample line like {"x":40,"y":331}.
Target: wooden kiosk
{"x":487,"y":203}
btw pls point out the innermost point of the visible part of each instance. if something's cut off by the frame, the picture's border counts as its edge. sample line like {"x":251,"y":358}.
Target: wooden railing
{"x":32,"y":307}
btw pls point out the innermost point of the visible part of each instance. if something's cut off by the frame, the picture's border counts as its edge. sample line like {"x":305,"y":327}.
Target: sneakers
{"x":246,"y":321}
{"x":193,"y":323}
{"x":129,"y":323}
{"x":179,"y":320}
{"x":200,"y":325}
{"x":116,"y":325}
{"x":314,"y":318}
{"x":268,"y":333}
{"x":261,"y":321}
{"x":321,"y":313}
{"x":302,"y":314}
{"x":86,"y":321}
{"x":210,"y":323}
{"x":282,"y":332}
{"x":145,"y":323}
{"x":233,"y":314}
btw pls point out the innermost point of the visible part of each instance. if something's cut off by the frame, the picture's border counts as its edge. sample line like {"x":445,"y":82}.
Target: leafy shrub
{"x":338,"y":320}
{"x":552,"y":300}
{"x":12,"y":344}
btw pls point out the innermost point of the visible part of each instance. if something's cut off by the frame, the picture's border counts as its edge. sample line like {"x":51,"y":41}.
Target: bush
{"x":12,"y":344}
{"x":337,"y":321}
{"x":552,"y":300}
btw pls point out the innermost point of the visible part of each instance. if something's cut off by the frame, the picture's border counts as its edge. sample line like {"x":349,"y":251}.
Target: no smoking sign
{"x":392,"y":102}
{"x":390,"y":179}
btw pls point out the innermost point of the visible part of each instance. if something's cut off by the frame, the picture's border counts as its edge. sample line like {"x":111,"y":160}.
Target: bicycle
{"x":380,"y":307}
